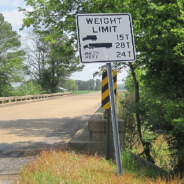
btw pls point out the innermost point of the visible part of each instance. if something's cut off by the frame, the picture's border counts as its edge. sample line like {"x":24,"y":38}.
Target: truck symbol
{"x":90,"y":37}
{"x":96,"y":45}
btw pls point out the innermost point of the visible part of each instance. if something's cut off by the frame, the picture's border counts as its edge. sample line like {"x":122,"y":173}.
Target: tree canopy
{"x":71,"y":84}
{"x":49,"y":63}
{"x":11,"y":57}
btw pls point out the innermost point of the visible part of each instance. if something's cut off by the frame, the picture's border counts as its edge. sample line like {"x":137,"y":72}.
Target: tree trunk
{"x":146,"y":145}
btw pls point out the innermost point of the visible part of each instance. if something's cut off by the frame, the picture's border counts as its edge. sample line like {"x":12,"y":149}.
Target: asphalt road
{"x":25,"y":128}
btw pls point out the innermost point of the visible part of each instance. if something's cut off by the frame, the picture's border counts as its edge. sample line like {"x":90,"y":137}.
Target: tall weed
{"x":68,"y":167}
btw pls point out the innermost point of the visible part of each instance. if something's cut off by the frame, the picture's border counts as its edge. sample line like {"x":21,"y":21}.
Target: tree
{"x":53,"y":15}
{"x":49,"y":63}
{"x":11,"y":57}
{"x":159,"y":39}
{"x":74,"y":87}
{"x":62,"y":62}
{"x":5,"y":85}
{"x":29,"y":88}
{"x":158,"y":28}
{"x":91,"y":84}
{"x":37,"y":54}
{"x":70,"y":84}
{"x":78,"y":82}
{"x":82,"y":85}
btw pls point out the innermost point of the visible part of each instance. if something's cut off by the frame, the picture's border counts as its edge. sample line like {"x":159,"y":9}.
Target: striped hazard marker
{"x":105,"y":89}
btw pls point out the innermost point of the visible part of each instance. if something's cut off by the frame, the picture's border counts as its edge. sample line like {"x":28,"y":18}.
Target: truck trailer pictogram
{"x":97,"y":45}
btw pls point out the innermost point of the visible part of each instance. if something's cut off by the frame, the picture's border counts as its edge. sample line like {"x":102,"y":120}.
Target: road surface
{"x":42,"y":124}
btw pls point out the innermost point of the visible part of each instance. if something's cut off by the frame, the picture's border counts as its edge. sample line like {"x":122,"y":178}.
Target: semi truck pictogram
{"x":97,"y":45}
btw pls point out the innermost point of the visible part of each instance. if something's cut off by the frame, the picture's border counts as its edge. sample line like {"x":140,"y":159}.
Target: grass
{"x":82,"y":92}
{"x":68,"y":167}
{"x":121,"y":93}
{"x":131,"y":166}
{"x":119,"y":109}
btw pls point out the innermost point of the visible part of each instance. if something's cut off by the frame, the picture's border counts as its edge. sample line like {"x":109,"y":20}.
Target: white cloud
{"x":11,"y":3}
{"x":13,"y":17}
{"x":5,"y":3}
{"x":17,"y":3}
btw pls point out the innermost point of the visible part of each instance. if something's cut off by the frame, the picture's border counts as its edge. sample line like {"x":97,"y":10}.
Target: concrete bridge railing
{"x":19,"y":99}
{"x":92,"y":137}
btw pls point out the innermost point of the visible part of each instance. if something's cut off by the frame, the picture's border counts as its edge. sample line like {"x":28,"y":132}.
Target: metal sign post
{"x":108,"y":131}
{"x":114,"y":120}
{"x":106,"y":105}
{"x":108,"y":38}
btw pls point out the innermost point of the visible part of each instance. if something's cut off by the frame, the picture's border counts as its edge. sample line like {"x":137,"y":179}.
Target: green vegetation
{"x":29,"y":88}
{"x":122,"y":94}
{"x":157,"y":89}
{"x":71,"y":85}
{"x":89,"y":84}
{"x":11,"y":57}
{"x":83,"y":92}
{"x":160,"y":151}
{"x":131,"y":166}
{"x":48,"y":62}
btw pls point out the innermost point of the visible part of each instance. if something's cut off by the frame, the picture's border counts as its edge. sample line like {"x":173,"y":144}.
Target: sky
{"x":9,"y":9}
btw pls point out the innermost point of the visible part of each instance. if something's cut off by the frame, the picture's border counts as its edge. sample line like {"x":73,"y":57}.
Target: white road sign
{"x":105,"y":38}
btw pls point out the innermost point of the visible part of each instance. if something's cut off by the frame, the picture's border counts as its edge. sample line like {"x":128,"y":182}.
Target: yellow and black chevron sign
{"x":105,"y":89}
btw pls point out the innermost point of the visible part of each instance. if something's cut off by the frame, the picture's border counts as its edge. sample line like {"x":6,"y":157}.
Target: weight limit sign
{"x":105,"y":38}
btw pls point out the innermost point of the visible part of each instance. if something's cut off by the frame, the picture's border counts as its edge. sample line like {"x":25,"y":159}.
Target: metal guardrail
{"x":15,"y":99}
